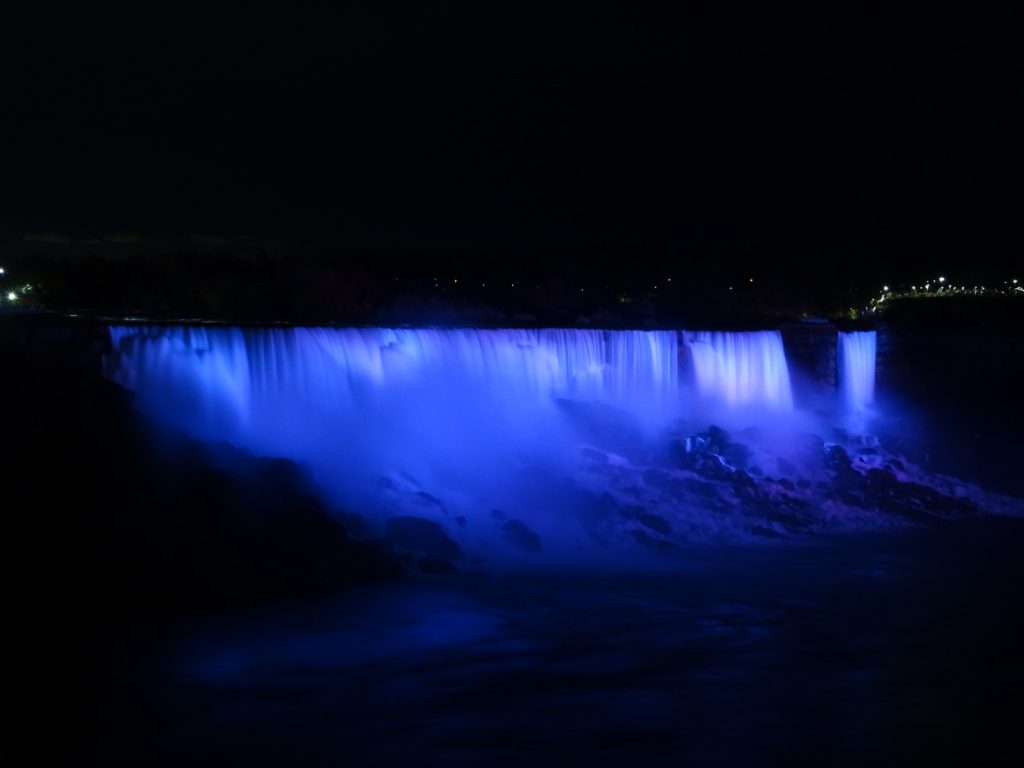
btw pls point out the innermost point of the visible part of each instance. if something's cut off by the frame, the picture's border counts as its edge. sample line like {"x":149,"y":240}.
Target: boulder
{"x":519,"y":534}
{"x":425,"y":536}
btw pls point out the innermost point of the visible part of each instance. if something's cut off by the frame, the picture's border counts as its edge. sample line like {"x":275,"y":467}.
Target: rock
{"x":521,"y":535}
{"x":643,"y":538}
{"x":654,"y":522}
{"x":739,"y":478}
{"x":425,"y":536}
{"x":354,"y":524}
{"x":497,"y":514}
{"x":837,"y":459}
{"x":787,"y":484}
{"x":713,"y":467}
{"x":436,"y":566}
{"x":700,"y":488}
{"x":718,"y":435}
{"x":768,"y":533}
{"x":460,"y":520}
{"x":429,"y":500}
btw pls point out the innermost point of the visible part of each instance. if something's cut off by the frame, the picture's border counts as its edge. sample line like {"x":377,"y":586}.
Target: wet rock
{"x":662,"y":480}
{"x":786,"y":483}
{"x":645,"y":539}
{"x":700,"y":488}
{"x":739,"y":477}
{"x":654,"y":522}
{"x":837,"y":459}
{"x":791,"y":521}
{"x":354,"y":524}
{"x":713,"y":467}
{"x":460,"y":520}
{"x":436,"y":566}
{"x":521,"y":535}
{"x":721,"y":442}
{"x":768,"y":533}
{"x":425,"y":536}
{"x":429,"y":500}
{"x":497,"y":514}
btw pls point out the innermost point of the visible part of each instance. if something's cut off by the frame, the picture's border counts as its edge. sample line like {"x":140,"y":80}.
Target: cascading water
{"x":387,"y":419}
{"x":349,"y":401}
{"x":741,"y":369}
{"x":857,"y":369}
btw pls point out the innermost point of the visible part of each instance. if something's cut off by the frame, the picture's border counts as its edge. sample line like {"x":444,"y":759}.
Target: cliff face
{"x":811,"y":354}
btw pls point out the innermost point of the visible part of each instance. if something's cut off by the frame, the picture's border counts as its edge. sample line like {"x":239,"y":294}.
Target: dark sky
{"x":800,"y":141}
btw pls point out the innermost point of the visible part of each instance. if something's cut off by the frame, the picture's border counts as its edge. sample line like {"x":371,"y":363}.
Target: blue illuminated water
{"x":857,"y":370}
{"x":381,"y":416}
{"x":741,"y":369}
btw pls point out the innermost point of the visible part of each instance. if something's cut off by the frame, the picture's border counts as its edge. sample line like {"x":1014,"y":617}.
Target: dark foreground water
{"x":870,"y":650}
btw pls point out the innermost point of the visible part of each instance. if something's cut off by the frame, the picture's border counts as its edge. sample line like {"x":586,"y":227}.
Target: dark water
{"x":873,"y":650}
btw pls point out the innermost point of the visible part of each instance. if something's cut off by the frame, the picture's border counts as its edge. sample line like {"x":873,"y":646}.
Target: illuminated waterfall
{"x":235,"y":372}
{"x":455,"y":408}
{"x":346,"y":400}
{"x":857,"y":369}
{"x":741,"y":369}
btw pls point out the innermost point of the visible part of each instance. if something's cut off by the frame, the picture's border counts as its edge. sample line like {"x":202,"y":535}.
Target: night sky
{"x":585,"y":138}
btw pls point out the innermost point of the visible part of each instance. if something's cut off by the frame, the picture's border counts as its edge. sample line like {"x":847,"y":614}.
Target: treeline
{"x":411,"y":287}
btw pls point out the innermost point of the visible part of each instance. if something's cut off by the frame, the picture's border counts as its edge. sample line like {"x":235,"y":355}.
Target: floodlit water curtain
{"x":857,"y":369}
{"x":451,"y":408}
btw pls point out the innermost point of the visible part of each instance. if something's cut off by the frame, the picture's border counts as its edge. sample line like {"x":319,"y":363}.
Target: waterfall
{"x":741,"y":369}
{"x":458,"y":409}
{"x":236,"y":371}
{"x":857,"y":369}
{"x":383,"y":397}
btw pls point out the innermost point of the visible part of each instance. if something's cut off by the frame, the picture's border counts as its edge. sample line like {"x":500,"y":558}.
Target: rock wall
{"x":811,"y":354}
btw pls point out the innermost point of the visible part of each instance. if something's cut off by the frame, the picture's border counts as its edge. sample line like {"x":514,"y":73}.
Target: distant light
{"x":668,"y":280}
{"x":456,"y":280}
{"x":11,"y":296}
{"x":1,"y":272}
{"x":885,"y":287}
{"x":913,"y":287}
{"x":730,"y":287}
{"x":942,"y":279}
{"x":751,"y":280}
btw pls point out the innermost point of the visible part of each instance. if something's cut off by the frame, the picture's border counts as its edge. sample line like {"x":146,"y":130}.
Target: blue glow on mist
{"x":379,"y":414}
